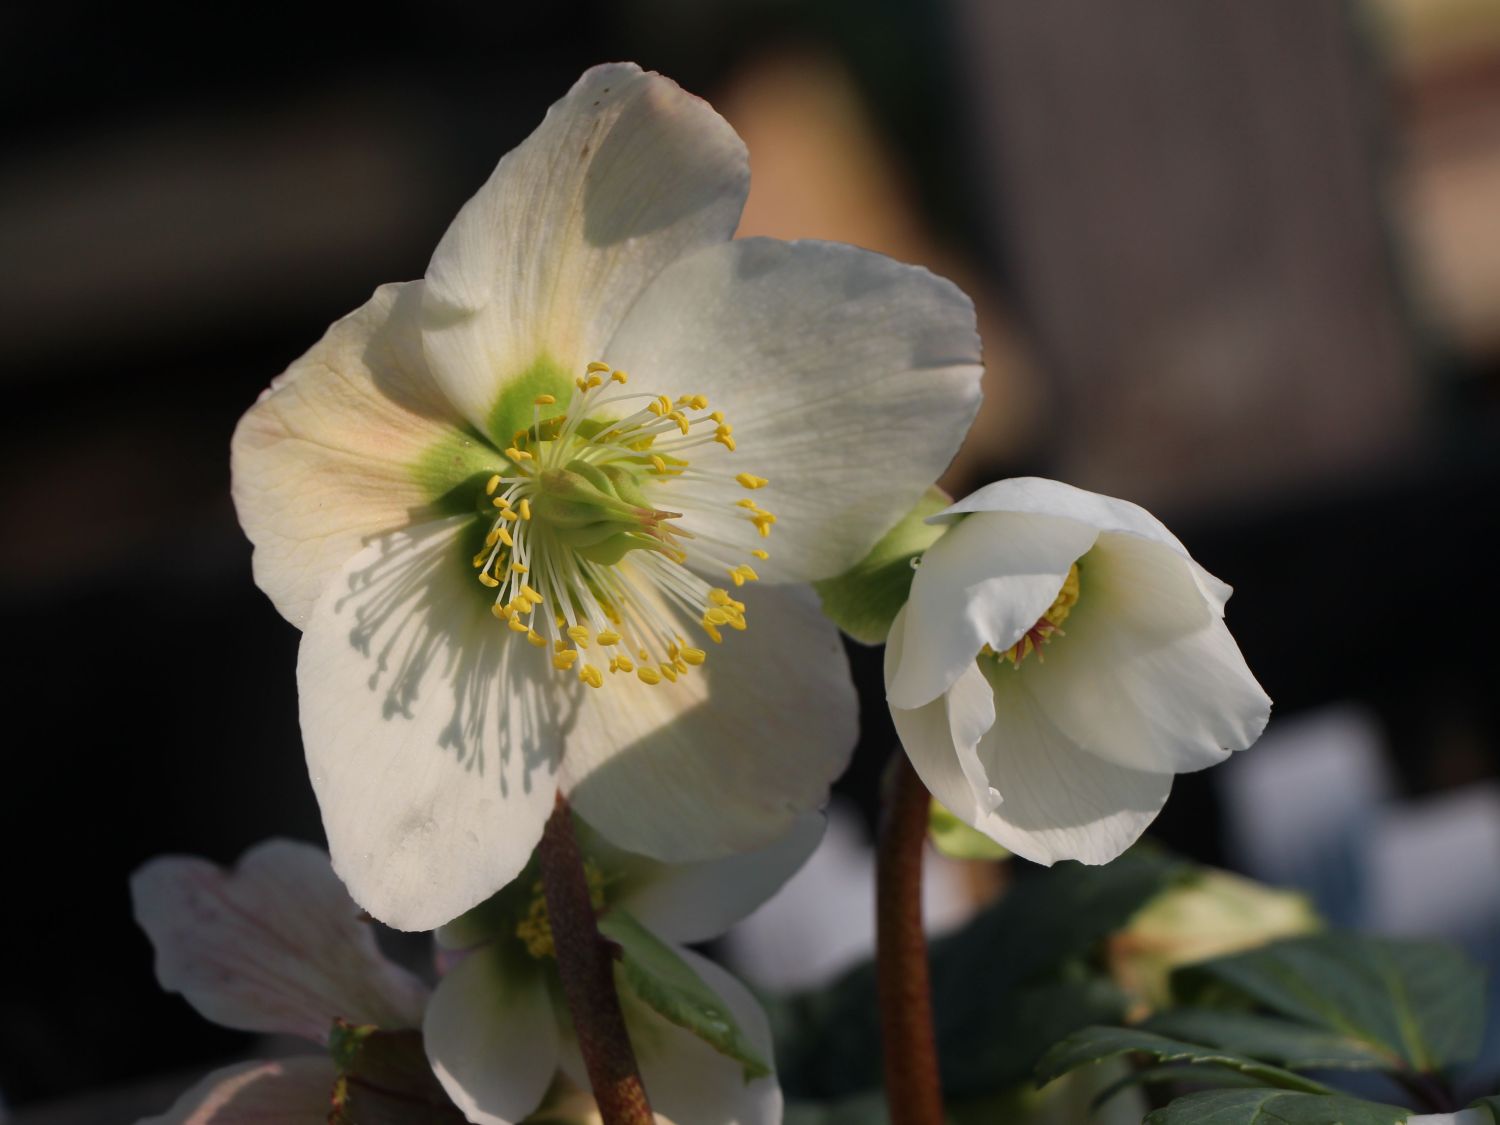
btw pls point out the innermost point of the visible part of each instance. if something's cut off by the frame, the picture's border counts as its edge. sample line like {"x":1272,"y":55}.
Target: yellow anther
{"x":518,"y":454}
{"x":668,"y":671}
{"x":694,"y":656}
{"x":680,"y":418}
{"x":749,"y":481}
{"x":717,"y":416}
{"x":490,"y":540}
{"x":763,"y":521}
{"x":719,"y":597}
{"x":562,"y":622}
{"x":666,"y":404}
{"x":713,"y":633}
{"x":480,"y":559}
{"x":500,"y":502}
{"x":726,"y":441}
{"x":596,"y":366}
{"x":743,"y":573}
{"x":608,"y":637}
{"x":519,"y":626}
{"x":658,"y":463}
{"x":716,"y":616}
{"x":533,"y":596}
{"x":758,"y":553}
{"x":509,"y":516}
{"x":492,"y":484}
{"x":501,"y":611}
{"x":623,"y":663}
{"x":563,"y":660}
{"x":656,"y":408}
{"x":505,"y":537}
{"x":518,"y":568}
{"x":619,"y":377}
{"x":591,"y":676}
{"x":525,"y":507}
{"x":595,"y":381}
{"x":580,"y":635}
{"x":643,"y":654}
{"x":545,"y":400}
{"x":536,"y":638}
{"x":487,"y":580}
{"x":648,"y":675}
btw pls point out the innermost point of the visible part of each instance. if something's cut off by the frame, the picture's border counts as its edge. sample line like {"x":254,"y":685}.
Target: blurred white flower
{"x":1059,"y":659}
{"x":477,"y":516}
{"x":497,"y":1029}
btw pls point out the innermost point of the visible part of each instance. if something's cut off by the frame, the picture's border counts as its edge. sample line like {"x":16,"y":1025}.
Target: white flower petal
{"x":686,"y":1080}
{"x":1040,"y":496}
{"x":1146,"y":674}
{"x":727,"y":758}
{"x":693,"y":902}
{"x":942,"y":737}
{"x":491,"y":1036}
{"x":625,"y":174}
{"x":274,"y":946}
{"x":986,"y":581}
{"x":342,"y":446}
{"x":280,"y":1092}
{"x":432,"y":737}
{"x":826,"y":360}
{"x":1057,"y":801}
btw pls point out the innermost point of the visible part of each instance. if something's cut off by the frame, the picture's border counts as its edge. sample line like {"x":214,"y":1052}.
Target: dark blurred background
{"x":1239,"y":263}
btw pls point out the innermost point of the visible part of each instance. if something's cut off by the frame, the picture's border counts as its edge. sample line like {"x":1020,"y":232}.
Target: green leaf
{"x":1093,"y":1044}
{"x":1275,"y":1107}
{"x":957,"y":840}
{"x":1419,"y":1004}
{"x":1006,"y":987}
{"x":1269,"y":1038}
{"x":667,"y":984}
{"x":864,"y":600}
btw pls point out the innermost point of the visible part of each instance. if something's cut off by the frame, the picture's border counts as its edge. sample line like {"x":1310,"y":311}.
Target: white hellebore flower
{"x":498,"y":1029}
{"x":1059,"y":658}
{"x":477,"y":517}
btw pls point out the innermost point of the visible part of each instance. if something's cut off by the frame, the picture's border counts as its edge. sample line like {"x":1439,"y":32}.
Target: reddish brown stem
{"x":913,"y":1088}
{"x":585,"y":962}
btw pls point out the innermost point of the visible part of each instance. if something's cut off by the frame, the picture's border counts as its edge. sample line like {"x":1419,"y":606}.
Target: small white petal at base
{"x":280,"y":1092}
{"x":432,"y":737}
{"x":276,"y":945}
{"x":491,"y":1036}
{"x":625,"y":174}
{"x":850,"y":380}
{"x":726,"y":759}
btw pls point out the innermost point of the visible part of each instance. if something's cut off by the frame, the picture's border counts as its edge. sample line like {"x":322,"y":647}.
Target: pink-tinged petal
{"x":432,"y":732}
{"x":276,"y":945}
{"x":1146,"y":675}
{"x":985,"y":582}
{"x":280,"y":1092}
{"x":491,"y":1036}
{"x":850,"y":380}
{"x":624,"y":175}
{"x":353,"y":440}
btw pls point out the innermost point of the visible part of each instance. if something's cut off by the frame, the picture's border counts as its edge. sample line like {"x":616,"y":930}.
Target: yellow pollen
{"x":648,"y":675}
{"x":680,"y":418}
{"x":531,"y":594}
{"x":669,"y":671}
{"x":518,"y":568}
{"x":596,"y":367}
{"x":1048,"y":625}
{"x":758,"y":553}
{"x":658,"y":463}
{"x":717,"y":416}
{"x":563,"y":660}
{"x":525,"y":508}
{"x":536,"y":638}
{"x":620,"y":377}
{"x":500,"y":611}
{"x":545,"y":400}
{"x":535,"y":930}
{"x":487,"y":579}
{"x":608,"y":637}
{"x":492,"y":484}
{"x":591,"y":676}
{"x":518,"y":626}
{"x":623,"y":663}
{"x":580,"y":636}
{"x":518,"y":454}
{"x":749,"y":481}
{"x":694,"y":656}
{"x":505,"y":537}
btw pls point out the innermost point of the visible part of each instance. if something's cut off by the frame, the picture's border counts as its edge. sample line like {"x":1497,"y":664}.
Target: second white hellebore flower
{"x":1060,"y":657}
{"x":516,"y":506}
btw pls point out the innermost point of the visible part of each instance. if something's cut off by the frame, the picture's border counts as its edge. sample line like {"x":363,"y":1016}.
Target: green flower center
{"x":588,"y":520}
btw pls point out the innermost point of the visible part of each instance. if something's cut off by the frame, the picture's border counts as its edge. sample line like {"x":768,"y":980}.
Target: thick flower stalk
{"x":1060,"y":657}
{"x":545,"y":515}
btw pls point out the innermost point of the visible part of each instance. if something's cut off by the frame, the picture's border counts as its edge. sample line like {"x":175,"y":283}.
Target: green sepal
{"x":957,"y":840}
{"x":864,"y":600}
{"x":656,"y":976}
{"x":384,"y":1078}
